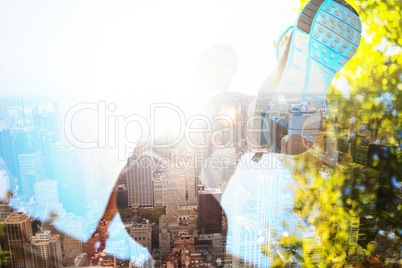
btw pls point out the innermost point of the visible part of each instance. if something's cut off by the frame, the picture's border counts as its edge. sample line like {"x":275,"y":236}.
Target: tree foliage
{"x":373,"y":79}
{"x":152,"y":214}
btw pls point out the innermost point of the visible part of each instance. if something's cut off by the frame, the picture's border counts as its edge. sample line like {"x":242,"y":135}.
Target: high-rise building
{"x":159,"y":180}
{"x":362,"y":155}
{"x":209,"y":211}
{"x":7,"y":152}
{"x":31,"y":170}
{"x":19,"y":231}
{"x":26,"y":141}
{"x":365,"y":187}
{"x":44,"y":250}
{"x":72,"y":247}
{"x":174,"y":186}
{"x":348,"y":233}
{"x":164,"y":236}
{"x":215,"y":175}
{"x":46,"y":194}
{"x":122,"y":196}
{"x":256,"y":205}
{"x":178,"y":183}
{"x":75,"y":187}
{"x":140,"y":173}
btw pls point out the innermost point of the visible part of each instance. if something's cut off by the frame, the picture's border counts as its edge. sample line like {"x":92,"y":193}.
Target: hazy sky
{"x":121,"y":48}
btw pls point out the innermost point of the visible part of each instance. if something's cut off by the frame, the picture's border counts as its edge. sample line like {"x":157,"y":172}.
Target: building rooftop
{"x":17,"y":216}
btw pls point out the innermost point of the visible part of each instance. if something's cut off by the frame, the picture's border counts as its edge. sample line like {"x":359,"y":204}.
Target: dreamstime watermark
{"x":199,"y":131}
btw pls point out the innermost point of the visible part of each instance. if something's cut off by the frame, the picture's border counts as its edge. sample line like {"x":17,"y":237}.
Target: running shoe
{"x":325,"y":37}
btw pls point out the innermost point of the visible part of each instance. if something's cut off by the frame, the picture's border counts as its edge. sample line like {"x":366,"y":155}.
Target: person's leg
{"x":265,"y":92}
{"x":325,"y":37}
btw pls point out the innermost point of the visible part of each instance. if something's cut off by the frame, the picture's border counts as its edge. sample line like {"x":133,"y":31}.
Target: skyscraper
{"x":72,"y":246}
{"x":164,"y":236}
{"x":348,"y":233}
{"x":7,"y":152}
{"x":31,"y":170}
{"x":47,"y":197}
{"x":139,"y":174}
{"x":44,"y":250}
{"x":19,"y":231}
{"x":209,"y":211}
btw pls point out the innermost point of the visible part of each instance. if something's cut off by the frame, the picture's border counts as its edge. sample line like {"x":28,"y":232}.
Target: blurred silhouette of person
{"x":215,"y":71}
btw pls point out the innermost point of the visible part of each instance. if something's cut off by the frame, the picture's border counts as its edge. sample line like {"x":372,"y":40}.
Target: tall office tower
{"x":31,"y":170}
{"x":158,"y":189}
{"x":179,"y":186}
{"x":174,"y":186}
{"x":387,"y":160}
{"x":365,"y":195}
{"x":366,"y":181}
{"x":122,"y":196}
{"x":45,"y":121}
{"x":26,"y":145}
{"x":26,"y":141}
{"x":329,"y":141}
{"x":19,"y":231}
{"x":391,"y":215}
{"x":361,"y":155}
{"x":190,"y":183}
{"x":218,"y":168}
{"x":140,"y":174}
{"x":274,"y":206}
{"x":256,"y":205}
{"x":44,"y":250}
{"x":346,"y":169}
{"x":164,"y":236}
{"x":72,"y":247}
{"x":7,"y":152}
{"x":348,"y":233}
{"x":270,"y":200}
{"x":355,"y":142}
{"x":46,"y":194}
{"x":75,"y":188}
{"x":209,"y":211}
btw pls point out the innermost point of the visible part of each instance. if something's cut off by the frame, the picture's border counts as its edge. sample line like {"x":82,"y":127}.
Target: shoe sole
{"x":326,"y":36}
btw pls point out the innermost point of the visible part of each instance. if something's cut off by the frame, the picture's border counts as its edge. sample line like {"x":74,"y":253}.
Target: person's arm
{"x":111,"y":209}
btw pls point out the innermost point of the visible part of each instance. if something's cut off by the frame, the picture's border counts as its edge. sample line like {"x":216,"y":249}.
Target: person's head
{"x":216,"y":67}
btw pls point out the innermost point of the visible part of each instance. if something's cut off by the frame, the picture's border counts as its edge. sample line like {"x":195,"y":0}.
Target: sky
{"x":128,"y":49}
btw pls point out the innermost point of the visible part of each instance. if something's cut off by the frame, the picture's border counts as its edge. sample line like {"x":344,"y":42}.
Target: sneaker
{"x":325,"y":37}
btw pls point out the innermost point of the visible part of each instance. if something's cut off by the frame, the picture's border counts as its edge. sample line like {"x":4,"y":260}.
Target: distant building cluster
{"x":174,"y":203}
